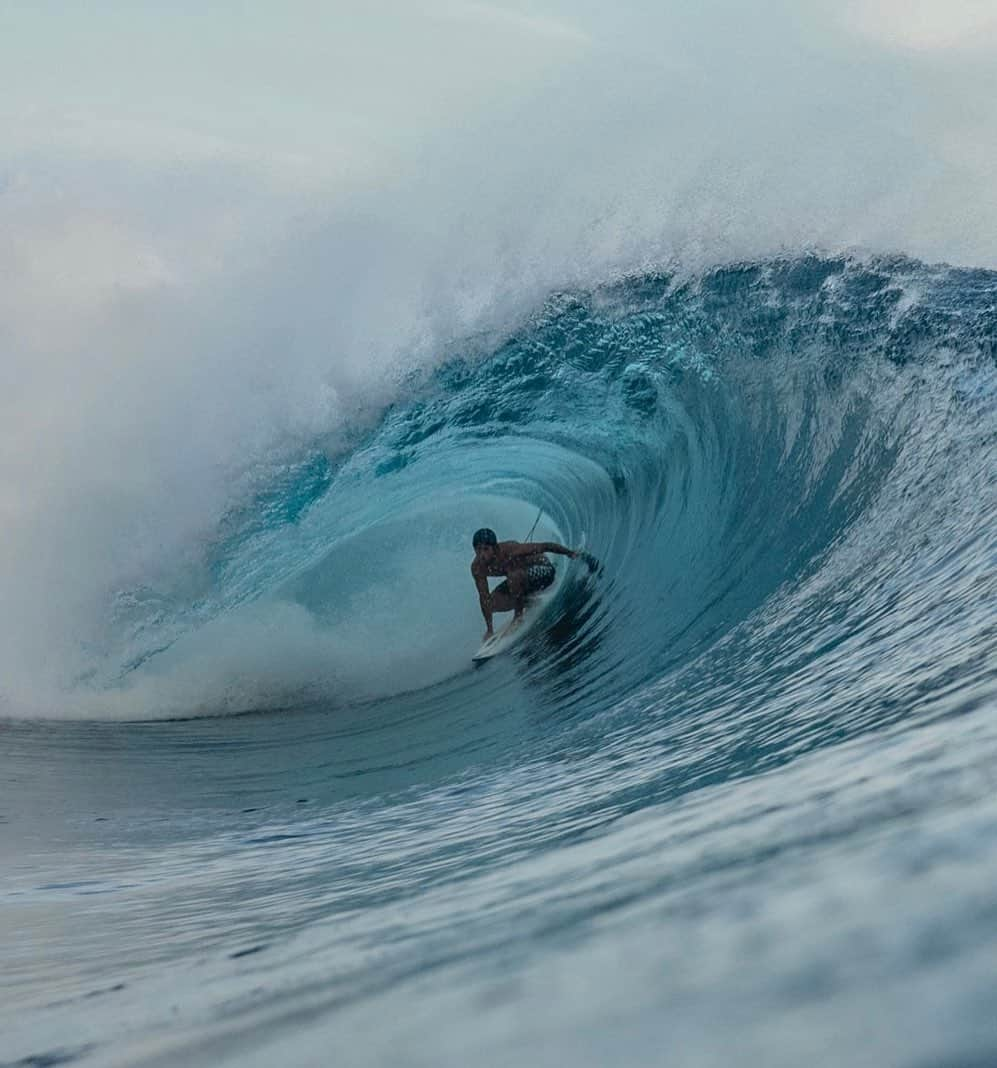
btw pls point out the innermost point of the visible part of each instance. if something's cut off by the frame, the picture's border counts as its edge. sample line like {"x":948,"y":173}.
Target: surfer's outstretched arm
{"x":529,"y":548}
{"x":532,"y":548}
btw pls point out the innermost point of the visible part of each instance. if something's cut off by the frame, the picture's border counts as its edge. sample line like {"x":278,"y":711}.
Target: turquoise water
{"x":733,"y":801}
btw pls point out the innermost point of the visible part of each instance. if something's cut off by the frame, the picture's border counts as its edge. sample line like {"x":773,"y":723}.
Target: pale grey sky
{"x":312,"y":84}
{"x":339,"y":87}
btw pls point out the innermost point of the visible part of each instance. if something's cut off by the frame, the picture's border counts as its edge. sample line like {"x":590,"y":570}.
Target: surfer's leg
{"x":518,"y":583}
{"x":502,"y":598}
{"x":510,"y":596}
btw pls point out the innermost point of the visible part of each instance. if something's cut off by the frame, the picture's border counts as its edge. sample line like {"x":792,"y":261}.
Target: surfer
{"x":526,"y":568}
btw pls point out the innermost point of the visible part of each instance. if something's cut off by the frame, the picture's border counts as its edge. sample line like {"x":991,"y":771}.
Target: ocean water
{"x":734,"y":800}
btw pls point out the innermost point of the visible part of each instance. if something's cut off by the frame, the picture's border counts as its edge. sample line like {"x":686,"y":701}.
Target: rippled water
{"x":733,"y":800}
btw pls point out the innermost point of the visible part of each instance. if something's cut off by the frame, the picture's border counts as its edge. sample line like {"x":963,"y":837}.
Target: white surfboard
{"x":515,"y":629}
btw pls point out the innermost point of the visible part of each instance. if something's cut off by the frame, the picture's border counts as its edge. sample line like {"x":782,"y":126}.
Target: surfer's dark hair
{"x":484,"y":536}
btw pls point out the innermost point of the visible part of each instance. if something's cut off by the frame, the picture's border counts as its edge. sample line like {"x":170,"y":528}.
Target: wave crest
{"x":770,"y":459}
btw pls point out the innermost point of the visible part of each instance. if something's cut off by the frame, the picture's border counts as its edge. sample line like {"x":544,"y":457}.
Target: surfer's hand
{"x":488,"y":634}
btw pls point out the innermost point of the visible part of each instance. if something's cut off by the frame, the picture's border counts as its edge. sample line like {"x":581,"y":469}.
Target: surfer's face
{"x":485,"y":552}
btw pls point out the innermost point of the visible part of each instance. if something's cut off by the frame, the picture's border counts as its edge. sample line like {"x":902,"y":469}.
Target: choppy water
{"x":733,"y":802}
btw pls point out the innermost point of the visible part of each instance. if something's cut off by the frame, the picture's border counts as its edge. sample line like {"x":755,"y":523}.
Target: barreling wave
{"x":786,"y":469}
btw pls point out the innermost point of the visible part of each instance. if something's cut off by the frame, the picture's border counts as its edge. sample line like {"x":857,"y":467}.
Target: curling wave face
{"x":786,"y":470}
{"x":769,"y":461}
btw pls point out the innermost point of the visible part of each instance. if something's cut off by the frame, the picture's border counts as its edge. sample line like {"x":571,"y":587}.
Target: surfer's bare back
{"x":524,"y":564}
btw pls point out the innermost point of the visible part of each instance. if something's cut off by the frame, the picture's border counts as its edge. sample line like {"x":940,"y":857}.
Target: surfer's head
{"x":484,"y":542}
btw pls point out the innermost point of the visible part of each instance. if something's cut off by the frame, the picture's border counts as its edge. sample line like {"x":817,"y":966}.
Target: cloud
{"x":928,"y":26}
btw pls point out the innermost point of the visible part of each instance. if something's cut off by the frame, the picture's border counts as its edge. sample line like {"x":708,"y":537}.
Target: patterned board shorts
{"x":538,"y":577}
